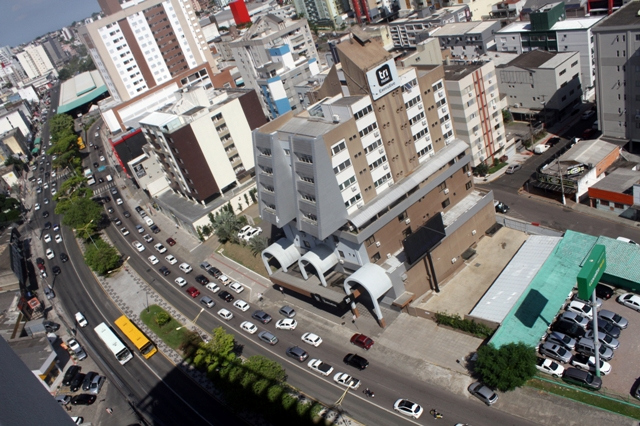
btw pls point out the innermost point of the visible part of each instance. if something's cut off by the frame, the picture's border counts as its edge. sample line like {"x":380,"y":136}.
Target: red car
{"x":362,"y":341}
{"x":588,"y":133}
{"x":171,"y":242}
{"x":193,"y":292}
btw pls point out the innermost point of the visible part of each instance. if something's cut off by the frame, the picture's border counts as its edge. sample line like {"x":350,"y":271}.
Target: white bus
{"x":113,"y":342}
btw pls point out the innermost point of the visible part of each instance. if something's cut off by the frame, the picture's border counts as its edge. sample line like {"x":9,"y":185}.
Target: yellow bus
{"x":80,"y":143}
{"x":137,"y":337}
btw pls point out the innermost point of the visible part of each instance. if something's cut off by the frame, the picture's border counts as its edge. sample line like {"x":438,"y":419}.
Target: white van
{"x":148,"y":220}
{"x":109,"y":178}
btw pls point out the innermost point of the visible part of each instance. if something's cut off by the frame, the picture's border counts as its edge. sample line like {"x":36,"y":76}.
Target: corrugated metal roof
{"x":500,"y":299}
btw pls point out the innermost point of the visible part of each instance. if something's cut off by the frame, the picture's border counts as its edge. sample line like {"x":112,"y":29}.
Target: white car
{"x":154,"y":260}
{"x":53,"y":173}
{"x":589,"y":364}
{"x":252,"y":233}
{"x":58,"y":238}
{"x":244,"y":230}
{"x":138,"y":245}
{"x":119,"y":201}
{"x":47,"y":238}
{"x":185,"y":267}
{"x":81,"y":320}
{"x":408,"y":408}
{"x":224,"y":279}
{"x":550,"y":367}
{"x":580,"y":309}
{"x":181,"y":281}
{"x":630,"y":300}
{"x":320,"y":367}
{"x":102,"y":158}
{"x":540,"y":148}
{"x":249,"y":327}
{"x":36,"y":206}
{"x":237,"y":287}
{"x":214,"y":288}
{"x":242,"y":305}
{"x":53,"y":191}
{"x":225,"y":314}
{"x":346,"y":380}
{"x":160,"y":248}
{"x":50,"y":254}
{"x":124,"y":231}
{"x":312,"y":339}
{"x":45,"y":186}
{"x":171,"y":259}
{"x":148,"y":238}
{"x":287,"y":324}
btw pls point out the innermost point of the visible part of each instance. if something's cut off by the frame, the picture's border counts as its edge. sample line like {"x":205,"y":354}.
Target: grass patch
{"x":242,"y":255}
{"x":167,"y":332}
{"x":594,"y":399}
{"x":497,"y":167}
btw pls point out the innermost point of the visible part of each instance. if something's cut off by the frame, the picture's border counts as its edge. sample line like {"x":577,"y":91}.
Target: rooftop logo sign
{"x":383,"y":79}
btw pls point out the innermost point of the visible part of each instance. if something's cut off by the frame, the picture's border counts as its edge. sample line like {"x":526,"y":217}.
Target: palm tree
{"x":258,"y":245}
{"x":226,"y":225}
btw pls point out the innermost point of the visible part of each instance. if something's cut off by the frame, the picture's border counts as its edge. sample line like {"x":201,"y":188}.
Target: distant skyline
{"x":24,"y":20}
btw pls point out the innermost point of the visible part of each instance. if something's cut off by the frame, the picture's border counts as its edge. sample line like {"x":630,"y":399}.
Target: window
{"x":305,"y":158}
{"x":382,"y":180}
{"x":445,"y":203}
{"x":338,"y":147}
{"x":402,"y":216}
{"x":373,"y":146}
{"x":375,"y":257}
{"x":442,"y":186}
{"x":340,"y":167}
{"x":563,"y":71}
{"x":370,"y":128}
{"x":421,"y":133}
{"x":363,"y":112}
{"x":417,"y":118}
{"x":370,"y":240}
{"x":619,"y":206}
{"x":468,"y":185}
{"x":347,"y":183}
{"x":406,"y":232}
{"x":378,"y":162}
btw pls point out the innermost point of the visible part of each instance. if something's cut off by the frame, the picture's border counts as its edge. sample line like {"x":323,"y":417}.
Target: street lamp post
{"x":194,"y":320}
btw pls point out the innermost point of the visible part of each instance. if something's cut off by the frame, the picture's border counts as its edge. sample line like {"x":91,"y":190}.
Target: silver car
{"x":561,"y":339}
{"x":575,"y":318}
{"x":96,"y":384}
{"x":613,"y":318}
{"x":555,"y":351}
{"x":604,"y":339}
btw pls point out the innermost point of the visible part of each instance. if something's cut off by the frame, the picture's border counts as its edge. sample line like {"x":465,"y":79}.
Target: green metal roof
{"x":86,"y":98}
{"x":539,"y":304}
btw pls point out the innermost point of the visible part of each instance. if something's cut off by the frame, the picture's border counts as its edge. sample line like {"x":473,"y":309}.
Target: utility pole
{"x":564,"y":201}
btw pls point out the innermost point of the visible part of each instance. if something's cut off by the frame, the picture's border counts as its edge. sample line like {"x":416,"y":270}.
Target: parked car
{"x":226,"y":296}
{"x":346,"y":380}
{"x":613,"y":318}
{"x":70,"y":374}
{"x":575,"y":318}
{"x":588,"y":363}
{"x":513,"y":168}
{"x":268,"y":337}
{"x":321,"y":367}
{"x":237,"y":287}
{"x":193,"y":292}
{"x":550,"y":367}
{"x":553,"y":141}
{"x":362,"y":341}
{"x":242,"y":305}
{"x":500,"y":207}
{"x":76,"y":383}
{"x":86,"y":383}
{"x":77,"y":349}
{"x":180,"y":281}
{"x":554,"y":351}
{"x":541,"y":148}
{"x":296,"y":352}
{"x":287,"y":311}
{"x":561,"y":339}
{"x":286,"y":324}
{"x":356,"y":361}
{"x":225,"y":314}
{"x":604,"y":339}
{"x":261,"y":316}
{"x":604,"y":292}
{"x":408,"y":408}
{"x":483,"y":392}
{"x":83,"y":399}
{"x":630,"y":300}
{"x":201,"y":279}
{"x":580,"y":308}
{"x":598,"y":301}
{"x":582,"y":378}
{"x":249,"y":327}
{"x":312,"y":339}
{"x":607,"y":328}
{"x":81,"y":320}
{"x":569,"y":328}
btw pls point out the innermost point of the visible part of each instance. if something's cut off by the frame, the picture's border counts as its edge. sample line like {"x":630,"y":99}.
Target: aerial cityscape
{"x":320,"y":212}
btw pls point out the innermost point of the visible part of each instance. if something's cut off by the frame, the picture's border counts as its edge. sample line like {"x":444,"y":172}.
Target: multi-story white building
{"x":35,"y":62}
{"x":320,"y":12}
{"x":409,"y":31}
{"x":468,"y":40}
{"x":542,"y":82}
{"x":273,"y":56}
{"x":141,"y":46}
{"x":476,"y":109}
{"x":203,"y":140}
{"x":617,"y":43}
{"x":549,"y":30}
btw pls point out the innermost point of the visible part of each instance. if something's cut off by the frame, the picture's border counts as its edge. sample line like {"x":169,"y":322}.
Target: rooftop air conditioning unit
{"x":336,"y":118}
{"x":446,"y":191}
{"x":388,"y":255}
{"x":360,"y":205}
{"x":420,"y":106}
{"x":376,"y":134}
{"x":377,"y":243}
{"x":407,"y":221}
{"x":424,"y":122}
{"x":354,"y":188}
{"x":469,"y":173}
{"x":454,"y":260}
{"x":381,"y":151}
{"x":432,"y":153}
{"x":473,"y":232}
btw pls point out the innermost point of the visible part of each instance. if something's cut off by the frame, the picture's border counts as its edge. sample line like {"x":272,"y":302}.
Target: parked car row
{"x":90,"y":383}
{"x":573,"y":332}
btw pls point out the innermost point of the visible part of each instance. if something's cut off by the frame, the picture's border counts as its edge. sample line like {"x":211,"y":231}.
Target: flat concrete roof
{"x":619,"y":180}
{"x":627,"y":15}
{"x":566,"y":25}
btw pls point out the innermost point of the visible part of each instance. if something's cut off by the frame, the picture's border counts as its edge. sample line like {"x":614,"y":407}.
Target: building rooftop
{"x":541,"y":59}
{"x":588,"y":152}
{"x":364,"y":56}
{"x":458,"y":28}
{"x":620,"y":180}
{"x":566,"y":25}
{"x":80,"y":90}
{"x":627,"y":15}
{"x":498,"y":58}
{"x":33,"y":351}
{"x":308,"y":126}
{"x":345,"y":100}
{"x":458,"y":72}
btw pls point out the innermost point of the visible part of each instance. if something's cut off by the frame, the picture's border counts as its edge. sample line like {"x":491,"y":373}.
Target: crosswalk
{"x":103,"y":187}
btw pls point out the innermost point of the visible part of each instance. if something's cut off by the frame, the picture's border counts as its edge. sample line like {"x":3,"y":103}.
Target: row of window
{"x":347,"y":183}
{"x":425,"y":150}
{"x":353,"y":200}
{"x":380,"y":161}
{"x":342,"y":166}
{"x":373,"y":146}
{"x":338,"y":147}
{"x":421,"y":133}
{"x":412,"y":102}
{"x":417,"y":118}
{"x":370,"y":128}
{"x":382,"y":180}
{"x":366,"y":110}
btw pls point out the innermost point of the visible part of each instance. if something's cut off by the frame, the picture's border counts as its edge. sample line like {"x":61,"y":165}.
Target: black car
{"x":86,"y":383}
{"x":155,"y":229}
{"x":110,"y":209}
{"x":100,"y":180}
{"x":64,"y":257}
{"x":604,"y":292}
{"x":261,"y":316}
{"x":296,"y":352}
{"x":76,"y":383}
{"x":96,"y":165}
{"x":607,"y":328}
{"x":117,"y":221}
{"x":45,"y":214}
{"x":70,"y":374}
{"x":39,"y":261}
{"x":164,"y":271}
{"x":47,"y":225}
{"x":553,"y":141}
{"x":114,"y":191}
{"x":356,"y":361}
{"x":202,"y":280}
{"x":226,"y":296}
{"x":56,"y":270}
{"x":51,"y":326}
{"x":568,"y":328}
{"x":126,"y":213}
{"x":214,"y":272}
{"x":83,"y":399}
{"x":107,"y":199}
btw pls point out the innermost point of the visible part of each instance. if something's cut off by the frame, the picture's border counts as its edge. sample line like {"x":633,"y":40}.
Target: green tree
{"x":162,"y":318}
{"x":257,"y":245}
{"x":79,"y":212}
{"x":506,"y":368}
{"x":64,"y":74}
{"x":59,"y":124}
{"x":101,"y":256}
{"x":218,"y":352}
{"x":481,"y":169}
{"x":13,"y":160}
{"x":226,"y":226}
{"x":265,"y":368}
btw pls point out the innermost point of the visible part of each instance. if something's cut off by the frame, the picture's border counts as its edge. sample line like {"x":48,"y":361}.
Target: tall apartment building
{"x":273,"y":56}
{"x":320,"y":12}
{"x":142,"y":46}
{"x":371,"y":189}
{"x":10,"y":70}
{"x":617,"y":40}
{"x":475,"y":105}
{"x":550,"y":30}
{"x":54,"y":50}
{"x":35,"y":62}
{"x":203,"y":140}
{"x":408,"y":32}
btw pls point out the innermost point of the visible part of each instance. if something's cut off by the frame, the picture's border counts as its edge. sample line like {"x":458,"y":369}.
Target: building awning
{"x":322,"y":257}
{"x":284,"y":251}
{"x":552,"y":187}
{"x":372,"y":278}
